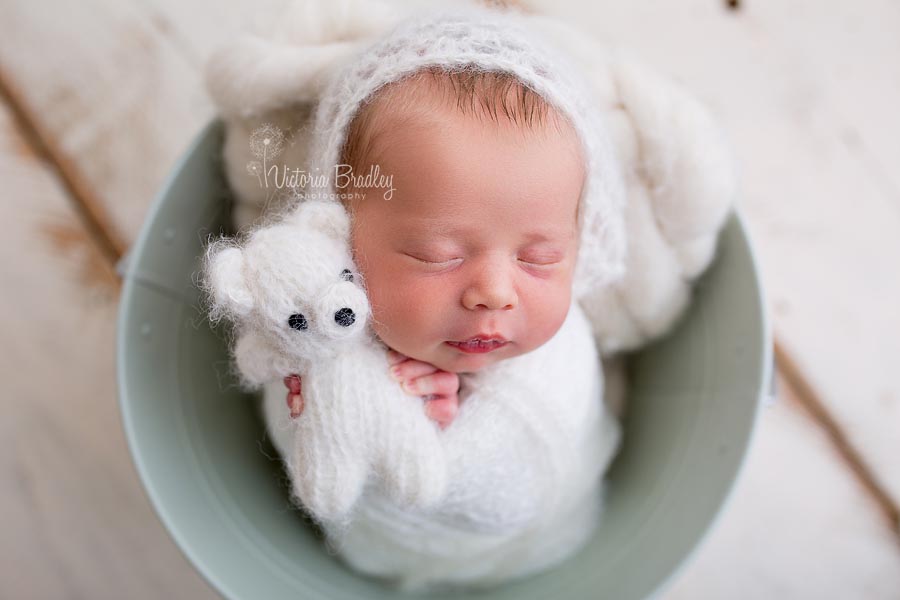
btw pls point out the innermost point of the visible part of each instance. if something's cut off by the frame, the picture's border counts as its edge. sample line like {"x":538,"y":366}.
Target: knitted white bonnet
{"x":485,"y":40}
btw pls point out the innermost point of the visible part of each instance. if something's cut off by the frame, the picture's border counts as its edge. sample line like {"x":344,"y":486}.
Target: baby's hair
{"x":488,"y":95}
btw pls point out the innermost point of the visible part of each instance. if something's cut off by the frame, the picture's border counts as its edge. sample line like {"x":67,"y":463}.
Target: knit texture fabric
{"x":525,"y":457}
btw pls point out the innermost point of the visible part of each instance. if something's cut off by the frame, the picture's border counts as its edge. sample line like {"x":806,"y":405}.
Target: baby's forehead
{"x":490,"y":98}
{"x":431,"y":100}
{"x":483,"y":139}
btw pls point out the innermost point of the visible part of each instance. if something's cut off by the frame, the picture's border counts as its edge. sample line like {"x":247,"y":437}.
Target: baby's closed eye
{"x":432,"y":261}
{"x":542,"y":258}
{"x":431,"y":258}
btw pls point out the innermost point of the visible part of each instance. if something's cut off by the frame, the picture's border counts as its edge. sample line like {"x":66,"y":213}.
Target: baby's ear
{"x":226,"y":284}
{"x":325,"y":216}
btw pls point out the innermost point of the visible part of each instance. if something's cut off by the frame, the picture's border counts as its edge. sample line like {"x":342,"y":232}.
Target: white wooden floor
{"x":98,"y":98}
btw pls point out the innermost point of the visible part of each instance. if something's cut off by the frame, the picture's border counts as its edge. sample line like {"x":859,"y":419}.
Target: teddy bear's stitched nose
{"x":345,"y":317}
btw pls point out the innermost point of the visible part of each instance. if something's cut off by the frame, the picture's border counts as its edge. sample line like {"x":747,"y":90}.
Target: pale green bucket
{"x":203,"y":456}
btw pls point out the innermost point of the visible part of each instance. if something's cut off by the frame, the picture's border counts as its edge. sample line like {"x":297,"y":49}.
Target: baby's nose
{"x":492,"y":289}
{"x":345,"y":317}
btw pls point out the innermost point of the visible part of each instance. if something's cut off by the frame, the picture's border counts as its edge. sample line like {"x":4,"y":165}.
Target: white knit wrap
{"x":525,"y":459}
{"x":483,"y":40}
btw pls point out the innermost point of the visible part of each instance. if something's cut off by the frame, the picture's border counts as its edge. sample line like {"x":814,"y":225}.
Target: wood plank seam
{"x":810,"y":400}
{"x":87,"y":205}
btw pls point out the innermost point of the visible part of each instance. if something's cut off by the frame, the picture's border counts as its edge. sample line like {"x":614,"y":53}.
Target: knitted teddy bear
{"x":290,"y":289}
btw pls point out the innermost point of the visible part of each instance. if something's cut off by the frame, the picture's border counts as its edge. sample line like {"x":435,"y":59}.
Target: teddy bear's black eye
{"x":297,"y":321}
{"x":346,"y":275}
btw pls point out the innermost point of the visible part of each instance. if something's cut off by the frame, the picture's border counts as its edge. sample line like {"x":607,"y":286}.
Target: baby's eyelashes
{"x":433,"y":260}
{"x":544,"y":256}
{"x":537,"y":263}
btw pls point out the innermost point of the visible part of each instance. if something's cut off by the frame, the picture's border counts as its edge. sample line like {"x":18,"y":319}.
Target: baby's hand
{"x":294,"y":395}
{"x":440,"y":389}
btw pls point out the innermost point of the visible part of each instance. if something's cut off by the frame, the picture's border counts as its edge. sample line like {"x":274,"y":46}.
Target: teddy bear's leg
{"x":279,"y":424}
{"x":328,"y":465}
{"x":414,"y":469}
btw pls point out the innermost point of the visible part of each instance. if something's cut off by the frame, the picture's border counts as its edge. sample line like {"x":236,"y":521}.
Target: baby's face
{"x":478,"y":240}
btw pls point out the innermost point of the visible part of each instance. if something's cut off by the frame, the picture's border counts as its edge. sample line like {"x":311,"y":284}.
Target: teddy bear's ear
{"x":226,"y":283}
{"x":326,"y":216}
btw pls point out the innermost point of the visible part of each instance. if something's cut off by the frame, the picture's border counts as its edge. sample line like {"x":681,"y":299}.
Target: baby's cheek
{"x":405,"y":314}
{"x":550,"y":313}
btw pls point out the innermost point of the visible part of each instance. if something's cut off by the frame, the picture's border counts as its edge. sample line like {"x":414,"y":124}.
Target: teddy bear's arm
{"x":328,"y":463}
{"x":406,"y":451}
{"x":256,"y":361}
{"x":415,"y":476}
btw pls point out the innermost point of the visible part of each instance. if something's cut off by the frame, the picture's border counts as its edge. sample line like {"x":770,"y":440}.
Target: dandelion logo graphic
{"x":266,"y":143}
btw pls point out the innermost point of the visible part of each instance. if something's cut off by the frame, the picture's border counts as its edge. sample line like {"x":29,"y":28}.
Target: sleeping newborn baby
{"x":495,"y":210}
{"x":471,"y":260}
{"x":502,"y":196}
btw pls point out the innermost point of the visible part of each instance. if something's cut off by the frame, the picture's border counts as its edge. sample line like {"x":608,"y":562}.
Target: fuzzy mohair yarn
{"x":525,"y":456}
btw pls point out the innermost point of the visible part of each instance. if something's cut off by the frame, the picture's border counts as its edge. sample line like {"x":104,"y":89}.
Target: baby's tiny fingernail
{"x":395,"y":373}
{"x":409,"y":386}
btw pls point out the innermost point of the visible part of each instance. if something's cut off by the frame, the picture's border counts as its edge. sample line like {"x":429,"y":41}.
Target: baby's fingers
{"x":440,"y":383}
{"x":442,"y":409}
{"x":395,"y":357}
{"x":293,"y":384}
{"x":411,"y":369}
{"x":295,"y":404}
{"x":295,"y":395}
